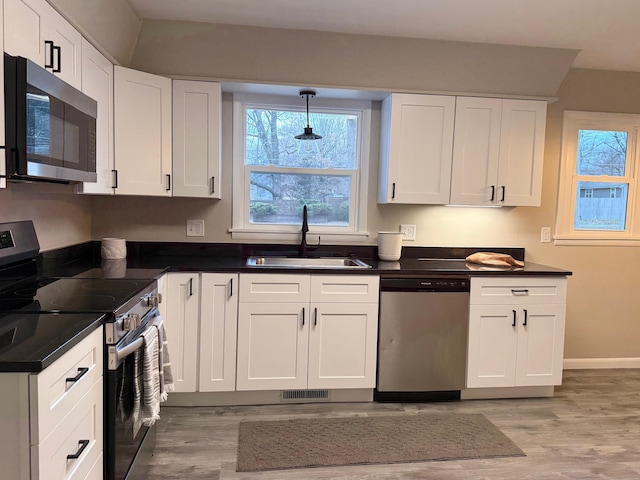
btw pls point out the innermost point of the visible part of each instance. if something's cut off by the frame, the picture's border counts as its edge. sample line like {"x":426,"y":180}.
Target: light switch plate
{"x":408,"y":232}
{"x":545,"y":234}
{"x":195,"y":228}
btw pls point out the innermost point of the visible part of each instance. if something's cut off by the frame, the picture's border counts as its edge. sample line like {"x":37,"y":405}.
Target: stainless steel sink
{"x":300,"y":262}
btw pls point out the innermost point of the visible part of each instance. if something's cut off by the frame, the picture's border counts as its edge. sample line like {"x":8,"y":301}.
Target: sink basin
{"x":298,"y":262}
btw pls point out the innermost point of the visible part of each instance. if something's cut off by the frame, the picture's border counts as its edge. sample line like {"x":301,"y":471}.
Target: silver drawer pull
{"x":521,"y":291}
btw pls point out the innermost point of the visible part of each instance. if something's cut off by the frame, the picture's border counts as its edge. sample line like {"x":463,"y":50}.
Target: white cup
{"x":389,"y":246}
{"x":113,"y":248}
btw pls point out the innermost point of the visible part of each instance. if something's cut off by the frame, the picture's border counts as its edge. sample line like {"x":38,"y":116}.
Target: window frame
{"x":241,"y":228}
{"x":566,"y":233}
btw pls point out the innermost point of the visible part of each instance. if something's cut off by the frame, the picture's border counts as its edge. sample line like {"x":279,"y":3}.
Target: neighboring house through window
{"x":275,"y":175}
{"x":598,"y":194}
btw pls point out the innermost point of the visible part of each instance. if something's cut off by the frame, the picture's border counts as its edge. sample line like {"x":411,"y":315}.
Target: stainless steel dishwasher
{"x":422,"y":343}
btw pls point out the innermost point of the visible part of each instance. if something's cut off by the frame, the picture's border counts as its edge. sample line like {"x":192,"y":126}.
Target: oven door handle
{"x":116,"y":355}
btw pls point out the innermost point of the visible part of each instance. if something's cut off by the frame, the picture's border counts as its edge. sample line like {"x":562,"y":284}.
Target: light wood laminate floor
{"x":590,"y":429}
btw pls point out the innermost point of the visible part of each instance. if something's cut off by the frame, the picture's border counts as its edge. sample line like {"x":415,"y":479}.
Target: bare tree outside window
{"x":286,"y":173}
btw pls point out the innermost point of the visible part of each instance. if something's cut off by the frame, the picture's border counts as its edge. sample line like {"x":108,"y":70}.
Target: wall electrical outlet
{"x":408,"y":232}
{"x":195,"y":228}
{"x":545,"y":234}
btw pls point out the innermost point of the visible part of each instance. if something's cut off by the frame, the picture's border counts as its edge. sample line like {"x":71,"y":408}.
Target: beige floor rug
{"x":315,"y":442}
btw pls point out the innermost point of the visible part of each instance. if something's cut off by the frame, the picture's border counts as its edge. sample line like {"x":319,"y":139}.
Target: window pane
{"x":601,"y":206}
{"x":602,"y":152}
{"x":278,"y":198}
{"x":270,"y":139}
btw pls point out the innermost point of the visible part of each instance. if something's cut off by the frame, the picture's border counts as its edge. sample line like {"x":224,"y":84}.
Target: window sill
{"x":312,"y":237}
{"x":605,"y":242}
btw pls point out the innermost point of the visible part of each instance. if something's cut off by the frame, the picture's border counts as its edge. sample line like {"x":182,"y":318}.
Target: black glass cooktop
{"x":72,"y":294}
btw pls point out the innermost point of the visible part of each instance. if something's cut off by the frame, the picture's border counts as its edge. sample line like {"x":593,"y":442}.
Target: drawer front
{"x":520,"y":291}
{"x":345,"y":288}
{"x":274,"y":288}
{"x":53,"y":395}
{"x":80,"y":434}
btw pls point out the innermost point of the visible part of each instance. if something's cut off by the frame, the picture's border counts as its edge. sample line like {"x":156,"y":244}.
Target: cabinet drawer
{"x":82,"y":424}
{"x":52,"y":396}
{"x":521,"y":291}
{"x":274,"y":288}
{"x":345,"y":288}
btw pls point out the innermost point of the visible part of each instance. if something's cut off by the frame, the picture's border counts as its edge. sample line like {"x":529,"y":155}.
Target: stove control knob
{"x":154,"y":300}
{"x":131,"y":322}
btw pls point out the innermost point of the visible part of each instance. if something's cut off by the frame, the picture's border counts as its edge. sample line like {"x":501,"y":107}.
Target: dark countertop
{"x":150,"y":260}
{"x":30,"y":342}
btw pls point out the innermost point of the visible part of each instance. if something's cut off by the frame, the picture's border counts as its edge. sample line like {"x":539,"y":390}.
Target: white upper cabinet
{"x":498,"y":152}
{"x":3,"y":165}
{"x":416,"y":148}
{"x":97,"y":82}
{"x":196,"y":139}
{"x":142,"y":112}
{"x":33,"y":29}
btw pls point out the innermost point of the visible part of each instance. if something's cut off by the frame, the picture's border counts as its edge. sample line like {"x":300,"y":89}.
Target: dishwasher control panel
{"x":424,"y":284}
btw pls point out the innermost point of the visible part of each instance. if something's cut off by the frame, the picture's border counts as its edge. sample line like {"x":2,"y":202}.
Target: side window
{"x":597,"y":195}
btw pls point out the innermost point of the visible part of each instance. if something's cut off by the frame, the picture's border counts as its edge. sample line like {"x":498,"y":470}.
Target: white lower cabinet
{"x":181,"y":324}
{"x":307,"y":331}
{"x":218,"y":332}
{"x":201,"y":312}
{"x":516,"y":332}
{"x":52,"y":428}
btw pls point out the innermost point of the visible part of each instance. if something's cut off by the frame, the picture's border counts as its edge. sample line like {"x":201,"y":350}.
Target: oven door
{"x":128,"y":444}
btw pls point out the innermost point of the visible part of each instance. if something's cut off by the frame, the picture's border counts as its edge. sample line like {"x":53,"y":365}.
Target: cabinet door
{"x":181,"y":324}
{"x":540,"y":345}
{"x":343,"y":345}
{"x":97,"y":82}
{"x":493,"y":342}
{"x":522,"y":152}
{"x":24,"y":32}
{"x":196,"y":139}
{"x":476,"y":149}
{"x":142,"y":115}
{"x":66,"y":56}
{"x":218,"y":332}
{"x":273,"y":345}
{"x":3,"y":164}
{"x":415,"y":150}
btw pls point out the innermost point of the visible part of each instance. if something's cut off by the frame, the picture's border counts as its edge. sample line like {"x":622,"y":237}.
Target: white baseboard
{"x":588,"y":363}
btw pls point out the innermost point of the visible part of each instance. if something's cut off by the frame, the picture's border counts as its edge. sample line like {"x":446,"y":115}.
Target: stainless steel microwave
{"x":50,"y":126}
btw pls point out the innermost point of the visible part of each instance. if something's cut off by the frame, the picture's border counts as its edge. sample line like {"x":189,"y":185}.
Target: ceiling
{"x":606,"y":31}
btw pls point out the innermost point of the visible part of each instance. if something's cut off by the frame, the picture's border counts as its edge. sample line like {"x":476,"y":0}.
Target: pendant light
{"x":308,"y":131}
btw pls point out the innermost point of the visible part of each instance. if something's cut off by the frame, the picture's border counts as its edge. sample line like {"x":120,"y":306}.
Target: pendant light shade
{"x":308,"y":131}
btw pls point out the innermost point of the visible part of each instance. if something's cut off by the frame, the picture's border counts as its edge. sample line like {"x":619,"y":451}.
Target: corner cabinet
{"x":516,"y":331}
{"x":498,"y":152}
{"x":97,"y":82}
{"x":33,"y":29}
{"x":307,"y":331}
{"x":415,"y":148}
{"x":142,"y":113}
{"x":196,"y":139}
{"x":46,"y":417}
{"x":201,"y":316}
